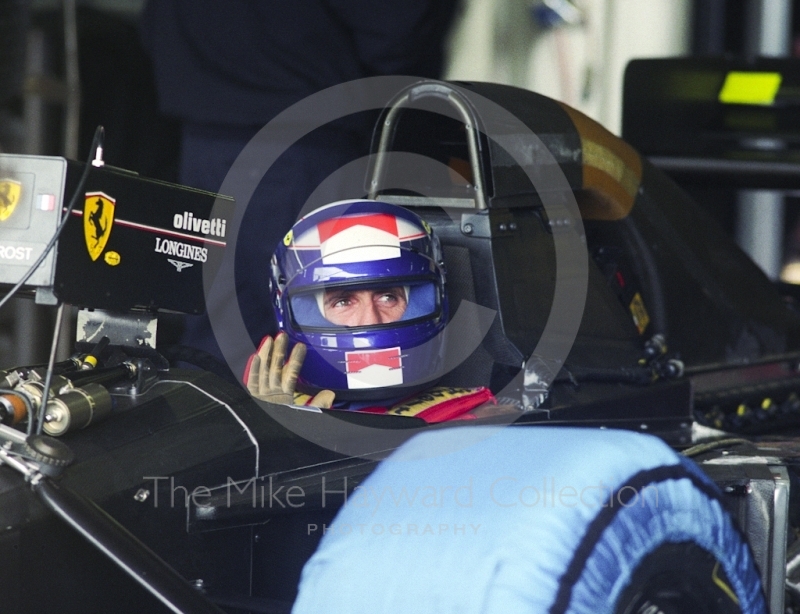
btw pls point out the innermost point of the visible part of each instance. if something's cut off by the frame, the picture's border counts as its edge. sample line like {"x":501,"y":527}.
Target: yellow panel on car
{"x":750,"y":88}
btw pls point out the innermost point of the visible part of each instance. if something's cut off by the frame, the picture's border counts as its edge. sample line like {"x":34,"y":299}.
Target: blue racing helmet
{"x":361,"y":283}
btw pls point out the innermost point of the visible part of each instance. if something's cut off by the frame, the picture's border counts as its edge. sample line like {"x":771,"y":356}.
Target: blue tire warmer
{"x":518,"y":519}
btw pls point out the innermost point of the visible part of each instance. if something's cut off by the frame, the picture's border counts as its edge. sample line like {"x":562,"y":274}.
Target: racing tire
{"x":535,"y":520}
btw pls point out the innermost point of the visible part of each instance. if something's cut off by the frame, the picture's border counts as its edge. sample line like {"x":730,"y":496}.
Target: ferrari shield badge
{"x":10,"y":192}
{"x":98,"y":217}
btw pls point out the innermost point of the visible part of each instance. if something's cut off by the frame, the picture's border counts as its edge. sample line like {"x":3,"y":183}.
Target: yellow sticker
{"x":750,"y":88}
{"x":640,"y":316}
{"x":10,"y":191}
{"x":426,"y":226}
{"x":98,"y":218}
{"x":428,"y":399}
{"x":112,"y":258}
{"x":287,"y":239}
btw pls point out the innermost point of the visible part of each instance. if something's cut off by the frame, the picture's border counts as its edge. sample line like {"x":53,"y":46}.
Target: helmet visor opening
{"x":366,"y":305}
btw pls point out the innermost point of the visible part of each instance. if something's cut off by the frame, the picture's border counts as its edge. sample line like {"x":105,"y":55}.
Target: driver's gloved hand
{"x":270,"y":377}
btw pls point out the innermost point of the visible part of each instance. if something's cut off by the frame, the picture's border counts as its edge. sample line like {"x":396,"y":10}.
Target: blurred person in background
{"x":225,"y":69}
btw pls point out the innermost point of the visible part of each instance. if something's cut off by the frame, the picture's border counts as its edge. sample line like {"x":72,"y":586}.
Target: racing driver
{"x":358,"y":289}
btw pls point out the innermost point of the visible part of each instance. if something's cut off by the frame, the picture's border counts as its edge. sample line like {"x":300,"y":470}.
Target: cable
{"x":48,"y":378}
{"x":97,"y":142}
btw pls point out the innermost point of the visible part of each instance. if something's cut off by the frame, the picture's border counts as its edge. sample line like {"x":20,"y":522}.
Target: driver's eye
{"x":341,"y":301}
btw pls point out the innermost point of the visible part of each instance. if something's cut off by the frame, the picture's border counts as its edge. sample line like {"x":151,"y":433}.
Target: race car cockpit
{"x":585,"y":289}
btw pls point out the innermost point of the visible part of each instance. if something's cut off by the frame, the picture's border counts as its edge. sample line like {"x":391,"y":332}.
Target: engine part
{"x":13,"y":409}
{"x":35,"y":387}
{"x":51,"y":455}
{"x":90,"y":361}
{"x":76,"y":409}
{"x":105,"y":375}
{"x":9,"y":379}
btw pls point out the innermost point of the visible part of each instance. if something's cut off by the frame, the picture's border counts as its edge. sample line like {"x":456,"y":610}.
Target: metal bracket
{"x":476,"y":225}
{"x":124,"y":329}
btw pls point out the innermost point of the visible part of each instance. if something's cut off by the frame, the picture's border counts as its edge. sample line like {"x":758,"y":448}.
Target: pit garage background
{"x":70,"y":65}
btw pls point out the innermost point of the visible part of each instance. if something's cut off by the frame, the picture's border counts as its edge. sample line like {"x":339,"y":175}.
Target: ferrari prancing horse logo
{"x":98,"y":217}
{"x":10,"y":191}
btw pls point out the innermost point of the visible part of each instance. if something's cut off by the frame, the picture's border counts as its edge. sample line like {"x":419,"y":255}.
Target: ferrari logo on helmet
{"x":98,"y":217}
{"x":10,"y":192}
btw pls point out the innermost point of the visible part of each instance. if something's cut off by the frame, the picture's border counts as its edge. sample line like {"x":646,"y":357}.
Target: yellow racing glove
{"x":270,"y":377}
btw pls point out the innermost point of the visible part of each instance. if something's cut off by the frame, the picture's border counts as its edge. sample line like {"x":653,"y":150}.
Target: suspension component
{"x":13,"y":409}
{"x":76,"y":409}
{"x":90,"y":361}
{"x":34,"y":389}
